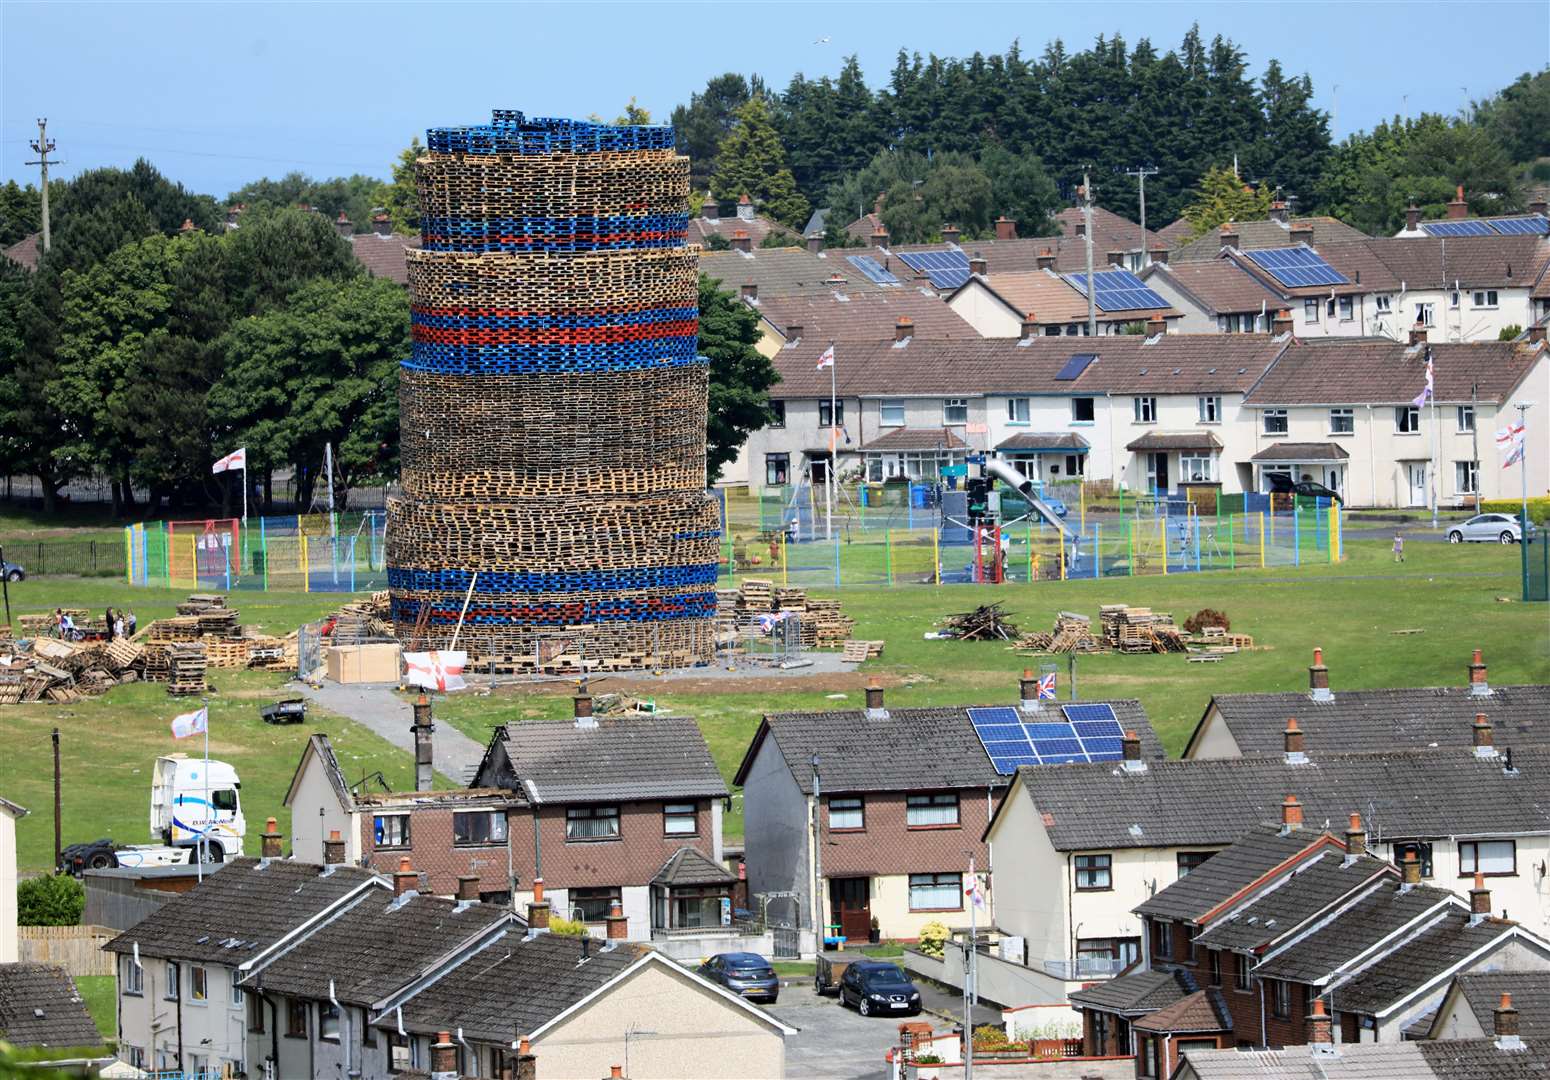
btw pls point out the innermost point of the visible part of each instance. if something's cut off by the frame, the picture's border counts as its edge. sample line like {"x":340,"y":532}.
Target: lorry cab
{"x":187,"y":804}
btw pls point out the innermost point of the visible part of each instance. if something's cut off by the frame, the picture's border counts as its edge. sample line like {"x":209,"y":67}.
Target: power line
{"x":1141,"y":173}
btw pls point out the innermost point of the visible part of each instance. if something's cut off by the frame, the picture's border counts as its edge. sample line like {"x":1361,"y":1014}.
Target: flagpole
{"x":1436,"y":441}
{"x":202,"y":848}
{"x":828,"y":487}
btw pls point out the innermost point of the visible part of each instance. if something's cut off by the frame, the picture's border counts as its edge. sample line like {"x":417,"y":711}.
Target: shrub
{"x":568,"y":927}
{"x":928,"y":1059}
{"x":1206,"y":617}
{"x":1538,"y":509}
{"x":990,"y":1037}
{"x":933,"y":937}
{"x":50,"y":900}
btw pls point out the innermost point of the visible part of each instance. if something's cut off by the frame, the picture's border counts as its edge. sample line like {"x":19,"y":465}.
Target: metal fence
{"x":1536,"y":567}
{"x":83,"y":558}
{"x":306,"y":553}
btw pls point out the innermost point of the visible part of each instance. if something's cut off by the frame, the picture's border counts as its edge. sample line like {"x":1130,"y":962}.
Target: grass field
{"x":101,"y":995}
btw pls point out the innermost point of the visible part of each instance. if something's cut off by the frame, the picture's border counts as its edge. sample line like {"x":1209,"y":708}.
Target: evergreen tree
{"x":752,"y":162}
{"x":21,"y":212}
{"x":1222,"y":197}
{"x":1294,"y":145}
{"x":399,"y":197}
{"x":1518,"y":118}
{"x":710,"y":115}
{"x":740,"y":376}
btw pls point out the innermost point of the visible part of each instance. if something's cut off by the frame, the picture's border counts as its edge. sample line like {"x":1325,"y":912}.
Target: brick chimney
{"x":581,"y":709}
{"x":1278,"y":212}
{"x":333,"y":848}
{"x":950,"y":234}
{"x":1320,"y":1030}
{"x":1291,"y":814}
{"x":269,"y":842}
{"x":1006,"y":228}
{"x":1229,"y":235}
{"x":1302,"y":232}
{"x":794,"y":331}
{"x":1418,"y":333}
{"x":741,"y":241}
{"x":1281,"y":323}
{"x":381,"y":224}
{"x":749,"y":290}
{"x":424,"y":763}
{"x":1156,"y":326}
{"x":744,"y":208}
{"x":1479,"y":901}
{"x":1484,"y":742}
{"x":879,"y":237}
{"x":1536,"y":333}
{"x":404,"y":878}
{"x":618,"y":923}
{"x":527,"y":1061}
{"x":1028,"y":685}
{"x":1030,"y":326}
{"x":1505,"y":1026}
{"x":343,"y":225}
{"x":1355,"y":839}
{"x":1159,"y":253}
{"x":468,"y":887}
{"x":1081,"y":229}
{"x":1478,"y":687}
{"x":874,"y":700}
{"x":1412,"y":218}
{"x":1409,"y":870}
{"x":1130,"y":753}
{"x":1046,"y":259}
{"x":1117,"y":259}
{"x":188,"y":226}
{"x":538,"y":907}
{"x":977,"y":264}
{"x":1459,"y":207}
{"x":1292,"y":738}
{"x":444,"y":1057}
{"x":903,"y":328}
{"x":814,"y":244}
{"x":1540,"y":207}
{"x":1318,"y":678}
{"x":710,"y":210}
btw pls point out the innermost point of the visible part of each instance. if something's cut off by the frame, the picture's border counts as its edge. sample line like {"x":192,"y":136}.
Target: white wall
{"x":1466,"y":322}
{"x":308,"y":829}
{"x":215,"y":1030}
{"x":777,"y":834}
{"x":8,"y":881}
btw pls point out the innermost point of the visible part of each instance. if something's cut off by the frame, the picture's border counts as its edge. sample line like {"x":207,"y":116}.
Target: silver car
{"x":1488,"y":529}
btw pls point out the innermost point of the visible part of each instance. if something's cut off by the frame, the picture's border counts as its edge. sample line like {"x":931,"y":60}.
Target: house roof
{"x":26,"y":251}
{"x":1468,"y":261}
{"x":456,"y":798}
{"x":1373,"y":917}
{"x":1324,"y":882}
{"x":1482,"y":1059}
{"x":383,"y":256}
{"x":1373,"y":371}
{"x":15,"y":810}
{"x":701,"y":229}
{"x":40,"y":1006}
{"x":643,"y":757}
{"x":376,"y":944}
{"x":318,"y":748}
{"x":1217,"y":286}
{"x":1353,"y":1061}
{"x":1411,"y":793}
{"x":1175,"y":440}
{"x":1126,"y":364}
{"x":240,"y":910}
{"x":689,"y":866}
{"x":1045,"y":440}
{"x":783,"y":271}
{"x":1038,"y":295}
{"x":1530,"y":990}
{"x":1302,"y":451}
{"x":866,"y":316}
{"x":1176,"y":232}
{"x":1111,"y":232}
{"x":1421,"y":961}
{"x":1202,"y":1011}
{"x":1362,"y":720}
{"x":1266,"y":234}
{"x":909,"y":750}
{"x":917,"y":439}
{"x":1137,"y":992}
{"x":1236,"y":867}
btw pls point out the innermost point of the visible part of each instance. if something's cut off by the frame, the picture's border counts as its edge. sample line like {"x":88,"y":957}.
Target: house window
{"x":295,"y":1018}
{"x":1453,"y":299}
{"x":1407,"y":419}
{"x":134,"y":977}
{"x":1082,"y":410}
{"x":1310,"y":311}
{"x":1017,"y":411}
{"x":955,"y":411}
{"x":401,"y":1052}
{"x":1148,"y":1063}
{"x":777,"y":414}
{"x":172,"y":982}
{"x":680,"y":819}
{"x":1347,"y":309}
{"x":134,"y":1056}
{"x":1093,"y":873}
{"x":1145,"y":409}
{"x":1426,"y":314}
{"x":1210,"y":409}
{"x":846,"y":815}
{"x":1274,"y":421}
{"x":1466,"y":417}
{"x":1485,"y":298}
{"x":391,"y":830}
{"x":198,"y":985}
{"x":1197,"y":468}
{"x":1214,"y":966}
{"x":1493,"y":858}
{"x":479,"y":827}
{"x":1281,"y":998}
{"x":1190,"y":932}
{"x":1342,"y":421}
{"x":256,"y":1015}
{"x":831,"y":417}
{"x":891,"y":413}
{"x":591,"y":823}
{"x":1073,"y":464}
{"x":328,"y":1021}
{"x":777,"y":468}
{"x":1162,"y":940}
{"x":1422,"y":850}
{"x":1466,"y":477}
{"x":593,"y":904}
{"x":936,"y":892}
{"x":1241,"y":978}
{"x":237,"y":998}
{"x":1189,"y":860}
{"x":922,"y":811}
{"x":1382,"y":303}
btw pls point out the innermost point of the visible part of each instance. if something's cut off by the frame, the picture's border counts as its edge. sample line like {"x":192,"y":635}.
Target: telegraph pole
{"x":58,"y":830}
{"x":1087,"y":228}
{"x":43,"y":146}
{"x":1141,"y":174}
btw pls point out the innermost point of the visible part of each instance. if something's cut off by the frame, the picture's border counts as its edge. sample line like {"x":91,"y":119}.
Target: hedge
{"x":1538,"y":509}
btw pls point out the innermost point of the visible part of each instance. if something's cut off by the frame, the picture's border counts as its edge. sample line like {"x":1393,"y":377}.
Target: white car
{"x":1488,"y":529}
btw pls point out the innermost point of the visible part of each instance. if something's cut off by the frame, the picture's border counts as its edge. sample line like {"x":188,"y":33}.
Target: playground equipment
{"x":1025,"y":487}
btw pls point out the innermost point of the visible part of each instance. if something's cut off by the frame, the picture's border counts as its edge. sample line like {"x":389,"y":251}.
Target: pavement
{"x":833,"y":1042}
{"x":376,"y":706}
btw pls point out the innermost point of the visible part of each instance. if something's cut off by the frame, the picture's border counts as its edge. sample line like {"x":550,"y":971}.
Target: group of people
{"x":118,"y":623}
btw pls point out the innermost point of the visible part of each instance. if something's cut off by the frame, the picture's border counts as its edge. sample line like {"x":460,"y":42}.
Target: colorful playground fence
{"x":306,"y":553}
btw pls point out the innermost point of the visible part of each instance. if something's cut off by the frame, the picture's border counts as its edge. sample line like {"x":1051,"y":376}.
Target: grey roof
{"x":1376,"y":371}
{"x":374,"y":946}
{"x":1361,"y":1061}
{"x":240,"y":910}
{"x":1234,"y":868}
{"x":1421,"y":960}
{"x":1045,"y":440}
{"x":1361,"y":720}
{"x":13,"y":809}
{"x":1313,"y":890}
{"x":784,"y":271}
{"x":1137,"y":993}
{"x":1482,"y":1059}
{"x":643,"y":757}
{"x":40,"y":1006}
{"x":1302,"y":451}
{"x":910,"y":750}
{"x":689,"y":866}
{"x":1412,"y":793}
{"x":1175,"y":440}
{"x":1368,"y":920}
{"x":1530,"y":992}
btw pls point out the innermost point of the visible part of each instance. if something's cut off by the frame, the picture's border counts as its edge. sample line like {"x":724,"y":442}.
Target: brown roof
{"x":1471,"y":261}
{"x":917,"y":439}
{"x":1111,"y":232}
{"x":1127,"y":363}
{"x":1200,"y":1011}
{"x":1362,"y":262}
{"x":1266,"y":234}
{"x":383,"y":256}
{"x":1363,"y":371}
{"x":1037,"y":294}
{"x":784,"y":271}
{"x":1175,"y":440}
{"x":25,"y":251}
{"x":865,"y":316}
{"x":863,"y":227}
{"x":1217,"y":286}
{"x":1177,"y":233}
{"x":702,"y":229}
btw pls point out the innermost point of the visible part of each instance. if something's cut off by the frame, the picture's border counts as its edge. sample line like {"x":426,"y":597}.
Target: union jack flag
{"x":1047,"y":686}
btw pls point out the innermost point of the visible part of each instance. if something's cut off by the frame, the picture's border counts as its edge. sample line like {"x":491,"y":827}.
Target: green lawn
{"x":84,"y":521}
{"x":101,"y":994}
{"x":274,"y":612}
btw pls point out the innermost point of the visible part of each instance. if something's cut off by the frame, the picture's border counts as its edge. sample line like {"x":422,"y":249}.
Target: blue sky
{"x":217,"y":94}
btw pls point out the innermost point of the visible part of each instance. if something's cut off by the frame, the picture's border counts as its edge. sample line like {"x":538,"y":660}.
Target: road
{"x":833,"y":1043}
{"x":375,"y":706}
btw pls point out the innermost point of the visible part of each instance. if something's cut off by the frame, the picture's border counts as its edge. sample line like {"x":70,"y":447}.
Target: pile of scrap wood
{"x":1141,"y":630}
{"x":857,"y":650}
{"x":205,"y":620}
{"x":47,"y":669}
{"x":186,"y":668}
{"x":822,"y":624}
{"x":1073,"y":633}
{"x":985,"y":623}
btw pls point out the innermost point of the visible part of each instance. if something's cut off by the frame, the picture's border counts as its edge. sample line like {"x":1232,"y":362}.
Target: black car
{"x":744,"y":973}
{"x":877,"y":987}
{"x":1308,"y":489}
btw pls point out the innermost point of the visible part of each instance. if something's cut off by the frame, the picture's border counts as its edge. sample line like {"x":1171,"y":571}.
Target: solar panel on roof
{"x":1535,"y":225}
{"x":872,"y":269}
{"x":1118,"y":290}
{"x":1075,"y":366}
{"x":944,"y":269}
{"x":1297,"y":267}
{"x":1456,"y":228}
{"x":1088,"y":733}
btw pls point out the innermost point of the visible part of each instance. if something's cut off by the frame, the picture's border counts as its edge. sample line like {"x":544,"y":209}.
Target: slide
{"x":1028,"y":490}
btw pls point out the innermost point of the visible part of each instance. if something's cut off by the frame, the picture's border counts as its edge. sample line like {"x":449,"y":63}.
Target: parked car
{"x":878,"y":987}
{"x":1057,"y":506}
{"x":12,"y":571}
{"x":1489,"y":529}
{"x":747,"y":974}
{"x":1308,"y":489}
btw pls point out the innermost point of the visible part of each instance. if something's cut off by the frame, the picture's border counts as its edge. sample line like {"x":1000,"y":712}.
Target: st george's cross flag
{"x":826,"y":358}
{"x":237,"y":459}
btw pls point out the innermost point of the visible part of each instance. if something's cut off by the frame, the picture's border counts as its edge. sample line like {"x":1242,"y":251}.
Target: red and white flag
{"x":1510,"y":443}
{"x":190,"y":723}
{"x":237,"y":459}
{"x":436,"y":670}
{"x":826,"y":359}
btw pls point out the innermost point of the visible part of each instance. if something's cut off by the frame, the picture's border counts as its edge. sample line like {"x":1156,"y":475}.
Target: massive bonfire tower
{"x":553,"y":408}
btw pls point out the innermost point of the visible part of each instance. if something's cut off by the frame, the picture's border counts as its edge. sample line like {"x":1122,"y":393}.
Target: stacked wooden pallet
{"x":48,"y":669}
{"x":187,"y":662}
{"x":1072,"y":633}
{"x":831,"y":627}
{"x":1141,"y":630}
{"x":757,"y":595}
{"x":856,"y":650}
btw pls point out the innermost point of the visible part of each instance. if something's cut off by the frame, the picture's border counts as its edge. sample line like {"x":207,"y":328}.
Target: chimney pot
{"x":1479,"y":897}
{"x":1130,"y":749}
{"x":581,"y":706}
{"x":879,"y":237}
{"x":1229,"y":235}
{"x":904,"y":328}
{"x":1278,"y":211}
{"x":745,"y":208}
{"x":1046,"y":259}
{"x":1478,"y":686}
{"x":343,"y":225}
{"x":615,"y":1072}
{"x":538,"y":907}
{"x":270,"y":841}
{"x":1459,"y":207}
{"x":1355,"y":839}
{"x":1506,"y":1019}
{"x":1291,"y":812}
{"x":1412,"y":218}
{"x":1536,"y":333}
{"x":1028,"y":686}
{"x":333,"y":848}
{"x":618,"y":922}
{"x":468,"y":887}
{"x":814,"y":245}
{"x":1302,"y":232}
{"x":710,"y":210}
{"x":1156,"y":325}
{"x":950,"y":234}
{"x":874,"y":700}
{"x":1418,"y":334}
{"x":741,"y":241}
{"x":1006,"y":228}
{"x":1030,"y":326}
{"x":977,"y":265}
{"x":1293,"y":740}
{"x":1483,"y":737}
{"x":382,"y":224}
{"x":404,"y":878}
{"x":1281,"y":323}
{"x":1410,"y":869}
{"x":1159,"y":253}
{"x":1318,"y":678}
{"x":444,"y":1057}
{"x":1319,"y":1025}
{"x":527,"y":1063}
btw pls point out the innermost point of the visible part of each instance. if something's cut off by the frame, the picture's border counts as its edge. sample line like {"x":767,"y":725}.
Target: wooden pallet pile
{"x":856,"y":650}
{"x":186,"y":662}
{"x":1141,"y":630}
{"x":830,"y":627}
{"x":756,"y":595}
{"x":48,"y":669}
{"x":1072,"y":633}
{"x":988,"y":622}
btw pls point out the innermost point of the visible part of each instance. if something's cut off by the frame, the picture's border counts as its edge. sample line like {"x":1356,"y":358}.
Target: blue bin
{"x":918,"y":494}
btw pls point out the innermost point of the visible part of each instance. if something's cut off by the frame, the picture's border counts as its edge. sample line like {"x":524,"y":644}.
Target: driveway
{"x":376,"y":706}
{"x":833,"y":1043}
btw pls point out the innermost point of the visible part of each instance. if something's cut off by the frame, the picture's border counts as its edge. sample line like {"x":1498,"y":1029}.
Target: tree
{"x":400,"y":198}
{"x":740,"y":376}
{"x":21,"y":212}
{"x":1518,"y":118}
{"x":274,"y":254}
{"x":632,"y":114}
{"x":1222,"y":197}
{"x":354,"y":196}
{"x":700,"y":126}
{"x":752,"y":162}
{"x":50,"y":900}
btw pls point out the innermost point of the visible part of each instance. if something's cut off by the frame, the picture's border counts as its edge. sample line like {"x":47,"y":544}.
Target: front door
{"x":850,"y":900}
{"x":818,"y":471}
{"x":1332,"y":478}
{"x":1417,"y":471}
{"x":1157,"y":472}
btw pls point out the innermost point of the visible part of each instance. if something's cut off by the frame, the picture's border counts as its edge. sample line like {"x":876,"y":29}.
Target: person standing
{"x":107,"y":623}
{"x":129,"y":623}
{"x":1399,"y":547}
{"x":118,"y":625}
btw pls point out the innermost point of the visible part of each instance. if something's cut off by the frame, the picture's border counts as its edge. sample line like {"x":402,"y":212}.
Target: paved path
{"x":374,"y":705}
{"x":832,"y":1043}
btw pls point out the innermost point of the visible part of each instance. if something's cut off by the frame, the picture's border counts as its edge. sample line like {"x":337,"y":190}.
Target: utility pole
{"x":970,"y":990}
{"x":817,"y":857}
{"x":43,"y":147}
{"x":58,"y":831}
{"x":5,"y":586}
{"x":1141,"y":174}
{"x":1087,"y":228}
{"x":1523,"y":407}
{"x":1334,"y":119}
{"x":1474,"y":436}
